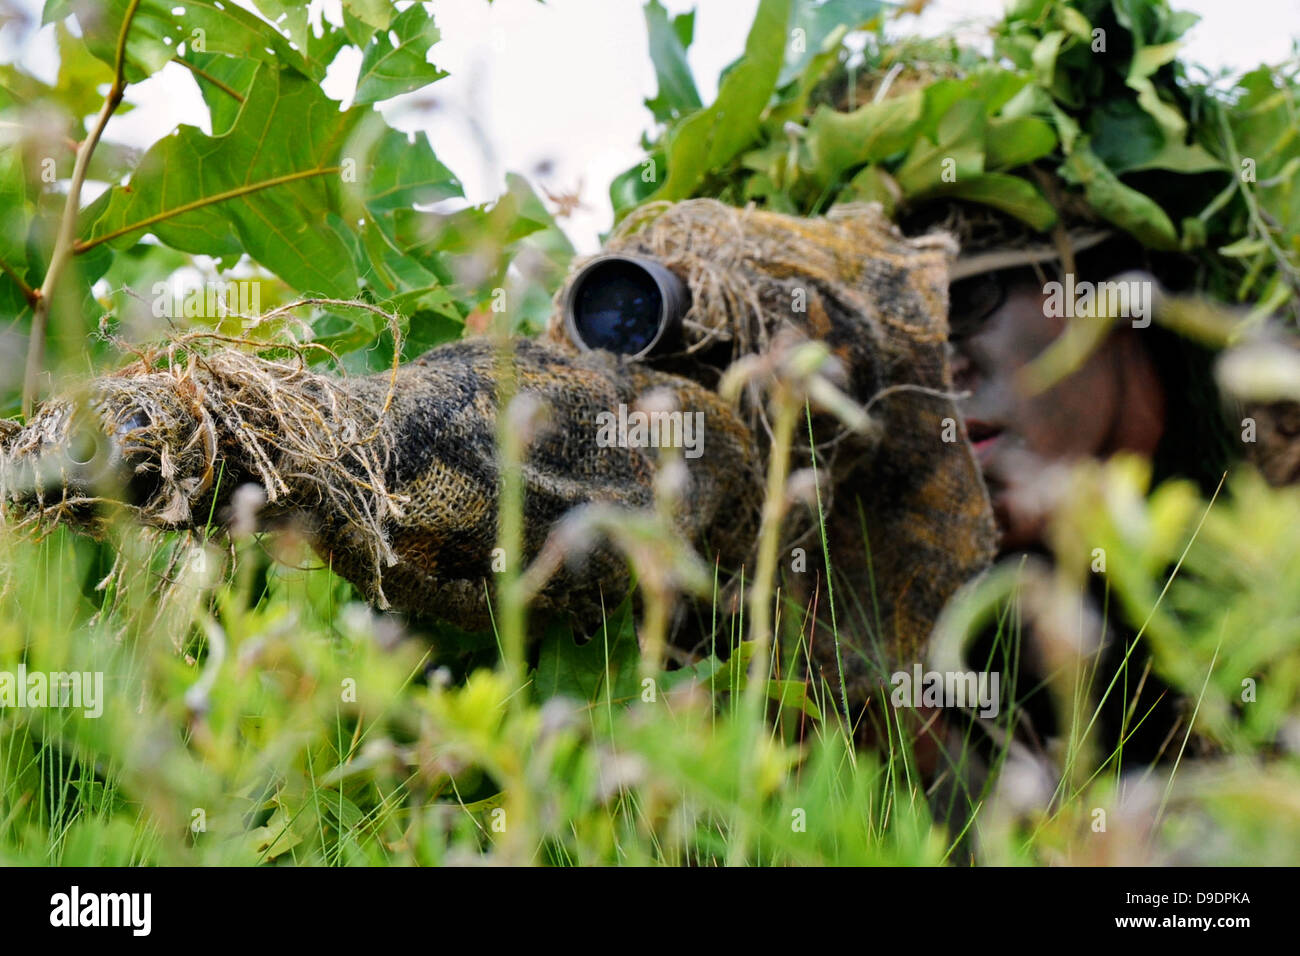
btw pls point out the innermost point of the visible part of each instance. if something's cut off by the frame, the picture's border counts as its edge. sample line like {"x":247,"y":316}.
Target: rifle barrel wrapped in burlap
{"x":395,"y":478}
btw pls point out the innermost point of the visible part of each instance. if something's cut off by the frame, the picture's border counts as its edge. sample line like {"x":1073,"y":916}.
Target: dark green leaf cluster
{"x":1080,"y":109}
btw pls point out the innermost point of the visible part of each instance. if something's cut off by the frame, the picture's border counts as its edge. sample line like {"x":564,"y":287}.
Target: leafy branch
{"x":65,"y":241}
{"x":1262,"y":229}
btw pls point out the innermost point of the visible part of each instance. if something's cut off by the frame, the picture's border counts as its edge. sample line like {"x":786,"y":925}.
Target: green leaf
{"x":1044,"y":58}
{"x":1032,"y":10}
{"x":733,"y":677}
{"x":1010,"y":194}
{"x":319,"y":52}
{"x":390,"y":69}
{"x":712,"y":137}
{"x":1243,"y":248}
{"x":1180,"y":158}
{"x":818,"y":26}
{"x":374,"y":13}
{"x":400,"y":173}
{"x":413,"y":256}
{"x":551,"y":240}
{"x":1152,"y":22}
{"x":81,"y":76}
{"x":634,"y":186}
{"x":959,"y":151}
{"x":1123,"y":135}
{"x":1118,"y":203}
{"x":795,"y":96}
{"x":1019,"y":49}
{"x":793,"y":694}
{"x":606,"y":664}
{"x":158,"y":32}
{"x":839,"y":141}
{"x":1074,"y":22}
{"x":1265,"y":132}
{"x":1146,"y":62}
{"x":345,"y":813}
{"x":224,"y":82}
{"x":872,"y":184}
{"x":669,"y":41}
{"x":265,"y":187}
{"x":993,"y":88}
{"x":290,"y":18}
{"x":16,"y":212}
{"x":274,"y":839}
{"x":1033,"y":100}
{"x":1017,"y":141}
{"x":936,"y":100}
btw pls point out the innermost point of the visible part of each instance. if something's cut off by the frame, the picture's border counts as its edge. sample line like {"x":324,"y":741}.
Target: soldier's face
{"x":999,"y":326}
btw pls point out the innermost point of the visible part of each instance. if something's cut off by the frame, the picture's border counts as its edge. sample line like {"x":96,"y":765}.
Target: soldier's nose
{"x":965,"y":376}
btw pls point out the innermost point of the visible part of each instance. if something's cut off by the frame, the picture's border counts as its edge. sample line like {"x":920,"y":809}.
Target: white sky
{"x":562,"y":84}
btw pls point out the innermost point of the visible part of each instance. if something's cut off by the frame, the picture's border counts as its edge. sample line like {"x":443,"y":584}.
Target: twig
{"x":30,"y":294}
{"x":63,"y":244}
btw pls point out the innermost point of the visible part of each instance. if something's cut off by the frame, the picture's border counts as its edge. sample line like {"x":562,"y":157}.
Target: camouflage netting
{"x":880,"y":302}
{"x":395,"y":476}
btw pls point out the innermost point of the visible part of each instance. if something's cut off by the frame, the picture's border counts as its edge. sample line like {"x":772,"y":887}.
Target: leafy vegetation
{"x":256,"y":712}
{"x":1083,"y":100}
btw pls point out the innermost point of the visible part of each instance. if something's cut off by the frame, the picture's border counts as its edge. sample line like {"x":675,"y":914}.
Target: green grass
{"x":263,"y":715}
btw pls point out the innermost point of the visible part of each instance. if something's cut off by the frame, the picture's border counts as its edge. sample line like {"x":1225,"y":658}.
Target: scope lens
{"x":85,"y":444}
{"x":618,"y":307}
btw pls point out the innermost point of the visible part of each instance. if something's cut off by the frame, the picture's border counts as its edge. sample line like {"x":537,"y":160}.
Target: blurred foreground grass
{"x":266,"y":716}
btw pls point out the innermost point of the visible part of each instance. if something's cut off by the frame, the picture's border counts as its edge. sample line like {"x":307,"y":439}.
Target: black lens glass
{"x":618,"y":308}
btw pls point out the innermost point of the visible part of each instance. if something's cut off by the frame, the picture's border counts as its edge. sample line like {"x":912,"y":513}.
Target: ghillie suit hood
{"x":907,"y":516}
{"x":395,"y":476}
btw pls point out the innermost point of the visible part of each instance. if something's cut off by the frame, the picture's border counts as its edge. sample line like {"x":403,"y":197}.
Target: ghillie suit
{"x":395,"y":477}
{"x":907,"y":516}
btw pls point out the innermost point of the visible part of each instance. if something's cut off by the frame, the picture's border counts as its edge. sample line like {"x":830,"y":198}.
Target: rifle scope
{"x":625,"y":304}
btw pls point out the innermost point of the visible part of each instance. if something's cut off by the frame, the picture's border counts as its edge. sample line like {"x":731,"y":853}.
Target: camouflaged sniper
{"x":395,"y":477}
{"x":880,"y":301}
